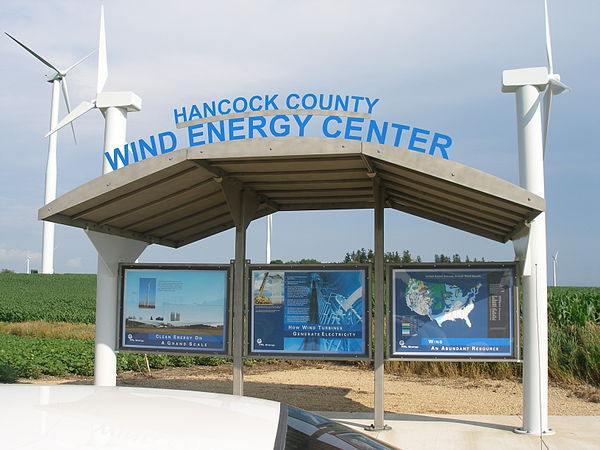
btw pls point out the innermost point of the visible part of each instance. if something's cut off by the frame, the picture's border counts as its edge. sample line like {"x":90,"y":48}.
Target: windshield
{"x":304,"y":430}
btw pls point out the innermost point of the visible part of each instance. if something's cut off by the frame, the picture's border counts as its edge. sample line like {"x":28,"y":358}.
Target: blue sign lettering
{"x":331,"y":116}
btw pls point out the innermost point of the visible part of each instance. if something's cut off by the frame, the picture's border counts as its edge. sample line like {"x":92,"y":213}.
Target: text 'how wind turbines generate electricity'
{"x":59,"y":82}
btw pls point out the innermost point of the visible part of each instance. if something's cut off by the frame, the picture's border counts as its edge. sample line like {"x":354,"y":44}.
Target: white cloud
{"x":74,"y":263}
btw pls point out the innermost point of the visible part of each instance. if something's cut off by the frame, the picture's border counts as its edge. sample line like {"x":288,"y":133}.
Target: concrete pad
{"x":413,"y":431}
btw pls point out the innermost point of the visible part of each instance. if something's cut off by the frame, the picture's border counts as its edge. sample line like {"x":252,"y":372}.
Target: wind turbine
{"x":113,"y":105}
{"x":59,"y":82}
{"x":269,"y":231}
{"x":554,"y":262}
{"x":530,"y":247}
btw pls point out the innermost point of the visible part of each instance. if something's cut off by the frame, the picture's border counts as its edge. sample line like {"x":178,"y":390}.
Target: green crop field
{"x":31,"y":357}
{"x":573,"y":306}
{"x":574,"y":334}
{"x":51,"y":298}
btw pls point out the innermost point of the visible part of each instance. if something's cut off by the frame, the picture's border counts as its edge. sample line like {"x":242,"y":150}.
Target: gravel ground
{"x":331,"y":387}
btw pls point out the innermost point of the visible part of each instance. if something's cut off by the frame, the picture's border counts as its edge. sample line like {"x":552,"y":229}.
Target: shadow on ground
{"x":312,"y":398}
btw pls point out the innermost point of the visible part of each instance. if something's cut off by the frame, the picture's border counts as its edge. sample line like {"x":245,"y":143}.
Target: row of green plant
{"x":51,"y":298}
{"x":574,"y":352}
{"x":573,"y":356}
{"x":31,"y":357}
{"x":569,"y":306}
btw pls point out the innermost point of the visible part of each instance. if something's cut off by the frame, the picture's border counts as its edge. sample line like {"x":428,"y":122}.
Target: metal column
{"x":378,"y":420}
{"x":242,"y":205}
{"x":238,"y":308}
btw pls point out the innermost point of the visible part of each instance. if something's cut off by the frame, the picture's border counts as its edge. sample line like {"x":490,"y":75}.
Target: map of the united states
{"x":440,"y":301}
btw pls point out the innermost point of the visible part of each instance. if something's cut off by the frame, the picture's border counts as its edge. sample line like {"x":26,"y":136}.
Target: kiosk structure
{"x":187,"y":195}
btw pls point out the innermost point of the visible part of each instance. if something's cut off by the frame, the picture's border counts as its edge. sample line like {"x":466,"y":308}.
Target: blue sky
{"x":434,"y":64}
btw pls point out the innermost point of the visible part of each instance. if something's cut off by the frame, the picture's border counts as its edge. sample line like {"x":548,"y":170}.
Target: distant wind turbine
{"x":554,"y":262}
{"x":59,"y":82}
{"x":269,"y":231}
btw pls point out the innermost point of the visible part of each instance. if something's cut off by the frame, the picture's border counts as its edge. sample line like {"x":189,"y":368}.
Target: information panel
{"x":174,"y":309}
{"x":454,"y":311}
{"x":312,"y":311}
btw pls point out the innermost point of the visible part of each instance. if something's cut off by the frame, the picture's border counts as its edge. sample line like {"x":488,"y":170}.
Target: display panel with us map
{"x":453,"y":311}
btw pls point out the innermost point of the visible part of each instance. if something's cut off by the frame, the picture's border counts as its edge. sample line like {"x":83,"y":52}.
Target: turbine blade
{"x":547,"y":105}
{"x":548,"y":41}
{"x":558,"y":87}
{"x":77,"y":112}
{"x":102,"y":63}
{"x":33,"y":53}
{"x":65,"y":91}
{"x":78,"y":62}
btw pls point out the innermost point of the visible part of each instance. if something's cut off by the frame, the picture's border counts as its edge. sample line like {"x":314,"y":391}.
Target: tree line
{"x":364,"y":256}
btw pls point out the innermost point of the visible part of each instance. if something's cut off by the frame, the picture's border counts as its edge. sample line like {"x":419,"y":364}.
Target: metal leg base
{"x":372,"y":427}
{"x":548,"y":432}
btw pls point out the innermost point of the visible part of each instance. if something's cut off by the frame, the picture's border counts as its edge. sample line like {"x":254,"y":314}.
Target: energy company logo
{"x":261,"y":116}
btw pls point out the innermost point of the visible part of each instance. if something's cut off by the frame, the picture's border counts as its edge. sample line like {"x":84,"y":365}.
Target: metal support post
{"x":242,"y":205}
{"x":111,"y":251}
{"x":378,"y":421}
{"x":238,"y":308}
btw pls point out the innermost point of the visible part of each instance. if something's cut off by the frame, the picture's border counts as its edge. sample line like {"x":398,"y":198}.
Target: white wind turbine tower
{"x":59,"y":82}
{"x":554,"y":262}
{"x":531,"y":246}
{"x":114,"y":106}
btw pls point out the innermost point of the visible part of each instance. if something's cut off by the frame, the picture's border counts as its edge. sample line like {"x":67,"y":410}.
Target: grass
{"x":55,"y":330}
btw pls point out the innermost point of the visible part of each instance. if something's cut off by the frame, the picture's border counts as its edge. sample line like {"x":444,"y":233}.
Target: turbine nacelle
{"x":104,"y":100}
{"x":532,"y":76}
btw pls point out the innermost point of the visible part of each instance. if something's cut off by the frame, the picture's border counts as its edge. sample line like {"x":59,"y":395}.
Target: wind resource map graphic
{"x":453,"y":312}
{"x":440,"y":301}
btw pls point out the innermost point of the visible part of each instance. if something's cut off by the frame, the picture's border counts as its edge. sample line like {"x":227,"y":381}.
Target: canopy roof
{"x":178,"y":198}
